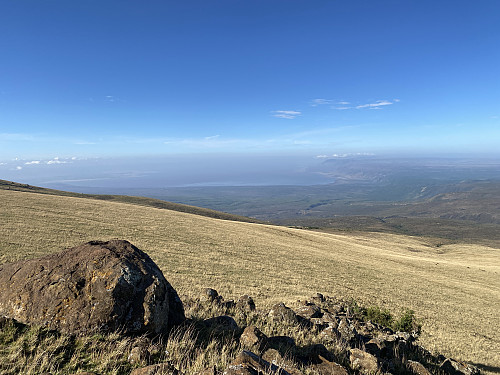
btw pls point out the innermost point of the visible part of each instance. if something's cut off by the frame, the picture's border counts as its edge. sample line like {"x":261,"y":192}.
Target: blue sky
{"x":126,"y":78}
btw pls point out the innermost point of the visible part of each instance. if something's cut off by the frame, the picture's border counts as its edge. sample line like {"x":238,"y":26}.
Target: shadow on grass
{"x":482,"y":367}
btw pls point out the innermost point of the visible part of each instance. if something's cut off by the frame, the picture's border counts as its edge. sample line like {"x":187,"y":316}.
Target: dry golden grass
{"x":454,"y":289}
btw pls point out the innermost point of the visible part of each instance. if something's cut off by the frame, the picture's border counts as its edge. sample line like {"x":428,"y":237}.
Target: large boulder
{"x":99,"y":285}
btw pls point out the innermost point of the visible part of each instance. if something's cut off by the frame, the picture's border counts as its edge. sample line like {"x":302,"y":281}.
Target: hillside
{"x":142,"y":201}
{"x":454,"y":289}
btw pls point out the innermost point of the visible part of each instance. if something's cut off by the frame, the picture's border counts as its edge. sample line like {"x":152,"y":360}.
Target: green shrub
{"x":380,"y":316}
{"x":407,"y":322}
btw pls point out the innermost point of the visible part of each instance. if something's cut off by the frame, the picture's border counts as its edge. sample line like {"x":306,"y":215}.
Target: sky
{"x":124,"y":79}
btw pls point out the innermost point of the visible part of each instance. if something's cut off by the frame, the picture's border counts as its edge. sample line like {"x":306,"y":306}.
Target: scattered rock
{"x":319,"y":298}
{"x":326,"y":367}
{"x":210,"y":295}
{"x":95,"y":286}
{"x":330,"y":334}
{"x":330,"y":319}
{"x":252,"y":338}
{"x":248,"y":363}
{"x":365,"y":362}
{"x":245,"y":303}
{"x":282,"y":313}
{"x":347,"y":331}
{"x":309,"y":311}
{"x":228,"y":304}
{"x":453,"y":367}
{"x":377,"y":347}
{"x":417,"y":368}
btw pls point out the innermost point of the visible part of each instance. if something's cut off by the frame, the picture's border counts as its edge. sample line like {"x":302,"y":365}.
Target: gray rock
{"x":280,"y":312}
{"x":364,"y":362}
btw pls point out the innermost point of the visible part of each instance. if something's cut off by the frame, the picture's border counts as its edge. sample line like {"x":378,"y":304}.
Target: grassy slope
{"x":454,"y":288}
{"x":142,"y":201}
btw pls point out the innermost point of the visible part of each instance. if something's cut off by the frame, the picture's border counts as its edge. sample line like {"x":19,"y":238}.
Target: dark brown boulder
{"x":95,"y":286}
{"x":253,"y":338}
{"x":364,"y":362}
{"x":309,"y":311}
{"x":326,"y":367}
{"x":248,"y":363}
{"x":417,"y":368}
{"x":452,"y":367}
{"x":280,"y":312}
{"x":245,"y":303}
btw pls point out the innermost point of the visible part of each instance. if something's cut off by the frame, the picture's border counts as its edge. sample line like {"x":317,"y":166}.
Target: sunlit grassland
{"x":454,"y":289}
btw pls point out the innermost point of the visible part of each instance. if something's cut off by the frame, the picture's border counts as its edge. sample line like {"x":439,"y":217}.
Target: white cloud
{"x":322,"y":156}
{"x":212,"y":137}
{"x":340,"y":156}
{"x":376,"y":105}
{"x":56,"y":160}
{"x":286,"y":114}
{"x":19,"y":168}
{"x":343,"y":105}
{"x":110,"y":98}
{"x":316,"y":102}
{"x":32,"y":162}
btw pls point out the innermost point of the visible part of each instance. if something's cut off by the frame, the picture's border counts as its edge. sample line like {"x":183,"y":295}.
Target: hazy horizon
{"x":242,"y":170}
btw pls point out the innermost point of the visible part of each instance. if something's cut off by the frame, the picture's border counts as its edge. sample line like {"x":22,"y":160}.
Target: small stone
{"x":365,"y":362}
{"x":245,"y":303}
{"x":326,"y":367}
{"x":210,"y":295}
{"x":330,"y":319}
{"x":450,"y":366}
{"x":309,"y":311}
{"x":248,"y":363}
{"x":280,"y":312}
{"x":253,"y":338}
{"x":318,"y":298}
{"x":330,"y":334}
{"x":417,"y":368}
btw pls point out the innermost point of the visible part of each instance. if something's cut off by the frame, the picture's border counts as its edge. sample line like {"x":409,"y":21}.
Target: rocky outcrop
{"x":369,"y":348}
{"x":101,"y":286}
